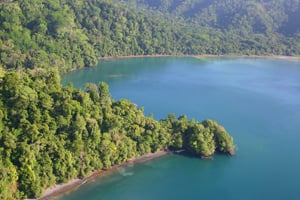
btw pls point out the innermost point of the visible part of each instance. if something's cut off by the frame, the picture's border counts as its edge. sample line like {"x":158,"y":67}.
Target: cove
{"x":257,"y":101}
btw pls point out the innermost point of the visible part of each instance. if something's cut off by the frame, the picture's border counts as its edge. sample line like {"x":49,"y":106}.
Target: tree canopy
{"x":73,"y":34}
{"x":51,"y":134}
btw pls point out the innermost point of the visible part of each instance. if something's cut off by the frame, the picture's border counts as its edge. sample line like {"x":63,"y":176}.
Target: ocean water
{"x":256,"y":100}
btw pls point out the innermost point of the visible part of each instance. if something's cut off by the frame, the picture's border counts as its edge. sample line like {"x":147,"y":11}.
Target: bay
{"x":258,"y":102}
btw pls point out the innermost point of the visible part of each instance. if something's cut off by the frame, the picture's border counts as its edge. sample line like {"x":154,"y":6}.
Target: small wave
{"x":123,"y":172}
{"x":115,"y":75}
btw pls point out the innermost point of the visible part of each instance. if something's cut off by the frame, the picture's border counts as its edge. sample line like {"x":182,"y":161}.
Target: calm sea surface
{"x":256,"y":100}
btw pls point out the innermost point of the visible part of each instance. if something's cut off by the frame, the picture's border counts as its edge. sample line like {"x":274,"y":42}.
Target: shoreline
{"x":248,"y":56}
{"x":60,"y":189}
{"x":186,"y":56}
{"x":201,"y":56}
{"x":138,"y":56}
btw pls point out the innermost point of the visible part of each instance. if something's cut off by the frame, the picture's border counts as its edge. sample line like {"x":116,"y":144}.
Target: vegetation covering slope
{"x":51,"y":134}
{"x":257,"y":16}
{"x":72,"y":34}
{"x":254,"y":26}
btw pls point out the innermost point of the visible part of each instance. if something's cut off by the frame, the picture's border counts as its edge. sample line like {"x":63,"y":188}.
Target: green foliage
{"x":8,"y":177}
{"x":74,"y":34}
{"x":51,"y":134}
{"x":223,"y":140}
{"x":201,"y":141}
{"x":249,"y":27}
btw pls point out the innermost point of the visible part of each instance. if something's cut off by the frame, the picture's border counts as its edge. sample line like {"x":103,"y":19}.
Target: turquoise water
{"x":256,"y":100}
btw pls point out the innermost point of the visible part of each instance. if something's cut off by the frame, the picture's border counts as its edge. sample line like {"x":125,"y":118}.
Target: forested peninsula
{"x":51,"y":134}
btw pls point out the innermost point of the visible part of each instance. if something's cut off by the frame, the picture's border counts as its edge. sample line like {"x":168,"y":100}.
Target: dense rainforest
{"x":73,"y":34}
{"x":269,"y":17}
{"x":51,"y":134}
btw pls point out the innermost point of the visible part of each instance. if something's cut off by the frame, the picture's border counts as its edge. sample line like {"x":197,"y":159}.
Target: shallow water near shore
{"x":258,"y":102}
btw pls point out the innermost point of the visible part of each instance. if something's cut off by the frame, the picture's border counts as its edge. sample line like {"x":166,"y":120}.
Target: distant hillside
{"x":74,"y":34}
{"x":257,"y":16}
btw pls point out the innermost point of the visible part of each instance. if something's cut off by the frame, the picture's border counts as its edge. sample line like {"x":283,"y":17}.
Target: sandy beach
{"x":60,"y":189}
{"x":202,"y":56}
{"x":192,"y":56}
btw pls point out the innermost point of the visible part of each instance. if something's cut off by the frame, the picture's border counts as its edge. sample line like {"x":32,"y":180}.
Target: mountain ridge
{"x":75,"y":34}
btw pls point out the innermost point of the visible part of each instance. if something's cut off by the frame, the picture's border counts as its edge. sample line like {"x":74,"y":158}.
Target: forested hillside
{"x":50,"y":134}
{"x":256,"y":16}
{"x":73,"y":34}
{"x":250,"y":24}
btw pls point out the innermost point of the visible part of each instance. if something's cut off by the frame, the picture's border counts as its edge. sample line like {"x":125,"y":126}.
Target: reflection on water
{"x":256,"y":100}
